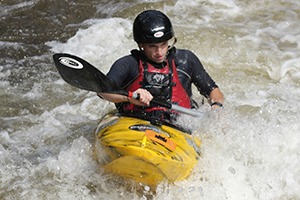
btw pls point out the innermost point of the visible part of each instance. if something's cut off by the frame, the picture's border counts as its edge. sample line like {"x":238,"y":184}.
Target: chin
{"x":159,"y":60}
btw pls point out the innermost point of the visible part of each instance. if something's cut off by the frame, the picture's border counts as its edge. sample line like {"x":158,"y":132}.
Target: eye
{"x":165,"y":44}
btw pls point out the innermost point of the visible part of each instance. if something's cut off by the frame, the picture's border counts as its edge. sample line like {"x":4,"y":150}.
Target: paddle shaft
{"x":81,"y":74}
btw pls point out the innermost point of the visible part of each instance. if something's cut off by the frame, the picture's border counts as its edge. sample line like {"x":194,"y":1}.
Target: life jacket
{"x":163,"y":83}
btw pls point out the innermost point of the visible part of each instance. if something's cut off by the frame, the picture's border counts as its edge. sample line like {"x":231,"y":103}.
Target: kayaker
{"x":158,"y":70}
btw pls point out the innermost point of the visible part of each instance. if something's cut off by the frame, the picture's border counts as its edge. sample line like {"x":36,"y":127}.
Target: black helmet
{"x":152,"y":26}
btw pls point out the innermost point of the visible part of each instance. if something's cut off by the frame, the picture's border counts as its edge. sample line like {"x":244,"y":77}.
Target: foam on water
{"x":100,"y":43}
{"x":250,"y":149}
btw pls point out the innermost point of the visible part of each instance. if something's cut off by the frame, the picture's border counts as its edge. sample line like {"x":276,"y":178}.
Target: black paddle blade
{"x":79,"y":73}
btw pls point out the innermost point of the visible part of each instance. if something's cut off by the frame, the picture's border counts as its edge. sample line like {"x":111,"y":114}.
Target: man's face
{"x":156,"y":52}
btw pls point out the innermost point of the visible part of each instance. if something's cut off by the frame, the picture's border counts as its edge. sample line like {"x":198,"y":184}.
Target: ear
{"x":141,"y":47}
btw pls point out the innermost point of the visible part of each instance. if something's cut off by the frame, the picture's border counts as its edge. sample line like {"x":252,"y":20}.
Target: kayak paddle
{"x":79,"y":73}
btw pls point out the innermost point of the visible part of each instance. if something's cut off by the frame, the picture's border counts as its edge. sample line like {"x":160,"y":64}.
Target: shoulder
{"x":125,"y":60}
{"x":185,"y":54}
{"x":183,"y":51}
{"x":123,"y":70}
{"x":186,"y":59}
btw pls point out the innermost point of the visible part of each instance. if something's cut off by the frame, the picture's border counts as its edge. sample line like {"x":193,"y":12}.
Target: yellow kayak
{"x":135,"y":149}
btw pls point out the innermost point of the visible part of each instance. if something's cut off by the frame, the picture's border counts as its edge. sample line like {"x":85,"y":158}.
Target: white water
{"x":250,"y":149}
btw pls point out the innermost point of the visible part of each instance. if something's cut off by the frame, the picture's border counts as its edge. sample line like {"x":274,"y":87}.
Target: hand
{"x":216,"y":98}
{"x":144,"y":99}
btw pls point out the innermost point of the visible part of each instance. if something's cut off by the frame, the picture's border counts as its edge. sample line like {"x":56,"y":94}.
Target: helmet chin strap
{"x":173,"y":44}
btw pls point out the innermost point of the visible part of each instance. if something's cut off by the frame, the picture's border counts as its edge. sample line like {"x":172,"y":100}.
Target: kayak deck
{"x":135,"y":149}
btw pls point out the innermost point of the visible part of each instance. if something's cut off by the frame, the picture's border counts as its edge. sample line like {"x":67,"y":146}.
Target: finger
{"x":145,"y":96}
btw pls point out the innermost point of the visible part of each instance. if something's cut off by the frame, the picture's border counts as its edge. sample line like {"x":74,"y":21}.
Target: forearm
{"x":144,"y":97}
{"x":115,"y":98}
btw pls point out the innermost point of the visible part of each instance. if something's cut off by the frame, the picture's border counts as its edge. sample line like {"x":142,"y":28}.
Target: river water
{"x":250,"y":150}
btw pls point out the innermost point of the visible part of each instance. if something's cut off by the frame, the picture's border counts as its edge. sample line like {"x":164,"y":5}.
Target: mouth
{"x":161,"y":58}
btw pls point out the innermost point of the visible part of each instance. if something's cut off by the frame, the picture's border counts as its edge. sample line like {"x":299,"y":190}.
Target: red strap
{"x":130,"y":94}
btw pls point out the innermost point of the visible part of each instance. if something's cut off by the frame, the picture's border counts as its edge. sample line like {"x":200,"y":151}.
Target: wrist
{"x":216,"y":104}
{"x":128,"y":99}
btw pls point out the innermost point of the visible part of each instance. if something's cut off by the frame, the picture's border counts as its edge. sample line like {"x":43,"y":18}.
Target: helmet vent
{"x":159,"y":28}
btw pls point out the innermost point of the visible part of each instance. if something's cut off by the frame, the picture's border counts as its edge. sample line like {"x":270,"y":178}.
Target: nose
{"x":159,"y":50}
